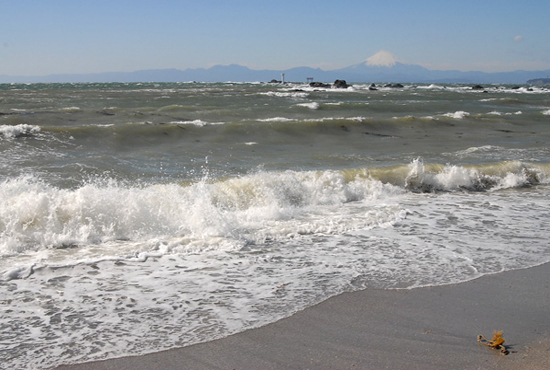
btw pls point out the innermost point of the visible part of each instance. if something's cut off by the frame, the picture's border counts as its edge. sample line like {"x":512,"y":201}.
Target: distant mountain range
{"x":380,"y":68}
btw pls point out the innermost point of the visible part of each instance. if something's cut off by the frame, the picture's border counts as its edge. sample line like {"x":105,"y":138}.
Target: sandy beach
{"x":425,"y":328}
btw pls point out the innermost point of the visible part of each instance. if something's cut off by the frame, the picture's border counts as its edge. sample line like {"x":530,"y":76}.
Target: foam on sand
{"x":427,"y":328}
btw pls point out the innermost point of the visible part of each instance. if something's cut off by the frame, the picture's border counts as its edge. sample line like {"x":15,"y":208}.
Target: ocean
{"x":136,"y":218}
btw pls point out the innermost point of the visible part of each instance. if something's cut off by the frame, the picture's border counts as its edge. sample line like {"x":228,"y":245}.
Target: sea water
{"x":140,"y":217}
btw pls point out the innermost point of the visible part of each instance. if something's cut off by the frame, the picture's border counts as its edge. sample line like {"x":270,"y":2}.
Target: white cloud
{"x":518,"y":38}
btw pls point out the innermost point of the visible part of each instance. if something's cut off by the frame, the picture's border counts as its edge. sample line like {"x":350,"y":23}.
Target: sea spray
{"x":36,"y":216}
{"x":39,"y":216}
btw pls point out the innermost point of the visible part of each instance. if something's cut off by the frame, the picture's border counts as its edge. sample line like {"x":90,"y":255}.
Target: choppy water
{"x":140,"y":217}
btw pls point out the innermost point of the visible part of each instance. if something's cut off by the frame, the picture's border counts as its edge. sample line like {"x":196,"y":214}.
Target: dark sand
{"x":426,"y":328}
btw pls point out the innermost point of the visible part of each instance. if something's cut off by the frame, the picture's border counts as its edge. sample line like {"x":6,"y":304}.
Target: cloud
{"x":518,"y":38}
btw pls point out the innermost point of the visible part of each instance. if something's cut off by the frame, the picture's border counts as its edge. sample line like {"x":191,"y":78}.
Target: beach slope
{"x":424,"y":328}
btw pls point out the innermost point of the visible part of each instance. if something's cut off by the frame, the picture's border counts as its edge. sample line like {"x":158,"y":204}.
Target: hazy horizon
{"x":67,"y":37}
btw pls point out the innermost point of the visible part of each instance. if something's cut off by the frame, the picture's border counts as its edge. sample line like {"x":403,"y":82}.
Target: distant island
{"x":382,"y":67}
{"x":539,"y":81}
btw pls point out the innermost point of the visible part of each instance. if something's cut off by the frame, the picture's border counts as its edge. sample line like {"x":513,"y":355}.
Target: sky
{"x":41,"y":37}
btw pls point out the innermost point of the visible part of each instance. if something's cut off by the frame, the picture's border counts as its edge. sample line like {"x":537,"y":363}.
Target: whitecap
{"x":294,"y":94}
{"x":275,"y":119}
{"x":198,"y":122}
{"x":312,"y":105}
{"x":484,"y":148}
{"x":457,"y":115}
{"x":9,"y":131}
{"x":70,"y":109}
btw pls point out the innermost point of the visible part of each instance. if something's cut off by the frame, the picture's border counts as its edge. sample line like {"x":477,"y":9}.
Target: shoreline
{"x":422,"y":328}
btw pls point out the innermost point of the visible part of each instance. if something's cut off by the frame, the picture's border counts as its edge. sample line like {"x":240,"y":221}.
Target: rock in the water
{"x":340,"y":84}
{"x":318,"y":84}
{"x":395,"y":86}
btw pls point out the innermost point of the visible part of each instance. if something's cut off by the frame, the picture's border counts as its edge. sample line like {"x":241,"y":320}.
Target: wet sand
{"x":425,"y":328}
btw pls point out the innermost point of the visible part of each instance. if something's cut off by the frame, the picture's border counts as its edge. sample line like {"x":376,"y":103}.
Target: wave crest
{"x":15,"y":131}
{"x":229,"y":212}
{"x":514,"y":174}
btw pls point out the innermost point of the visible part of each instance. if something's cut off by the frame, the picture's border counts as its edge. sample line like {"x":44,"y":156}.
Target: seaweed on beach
{"x":496,"y":343}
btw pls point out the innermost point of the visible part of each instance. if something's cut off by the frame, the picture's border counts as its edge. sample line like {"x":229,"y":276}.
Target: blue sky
{"x":39,"y":37}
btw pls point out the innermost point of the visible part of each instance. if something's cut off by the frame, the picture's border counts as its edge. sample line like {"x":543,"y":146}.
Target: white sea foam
{"x":483,"y":149}
{"x":546,"y":112}
{"x":329,"y":119}
{"x":197,"y":122}
{"x":497,"y":113}
{"x":431,"y":87}
{"x":457,"y":115}
{"x":8,"y":131}
{"x":290,"y":94}
{"x":267,"y":244}
{"x":275,"y":119}
{"x":451,"y":177}
{"x":35,"y":215}
{"x":312,"y":105}
{"x":196,"y":256}
{"x":71,"y":109}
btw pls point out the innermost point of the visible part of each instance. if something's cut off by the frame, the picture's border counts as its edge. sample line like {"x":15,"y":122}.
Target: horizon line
{"x":397,"y":62}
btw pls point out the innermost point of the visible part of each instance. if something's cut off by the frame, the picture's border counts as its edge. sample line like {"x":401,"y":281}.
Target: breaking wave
{"x":10,"y":132}
{"x":252,"y":208}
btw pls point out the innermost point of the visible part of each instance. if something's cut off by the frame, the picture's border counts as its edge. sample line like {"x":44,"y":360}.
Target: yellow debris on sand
{"x":496,"y":343}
